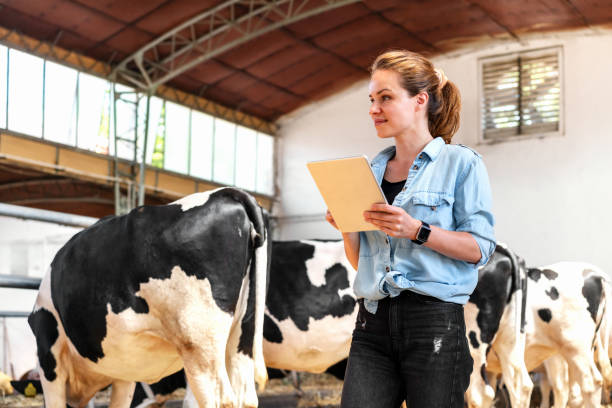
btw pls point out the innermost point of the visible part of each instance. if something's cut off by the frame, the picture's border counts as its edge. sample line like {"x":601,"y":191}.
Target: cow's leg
{"x":209,"y":390}
{"x":514,"y":372}
{"x":583,"y":372}
{"x":545,"y":391}
{"x":122,"y":394}
{"x":556,"y":373}
{"x":54,"y":392}
{"x":205,"y":367}
{"x":480,"y":393}
{"x":241,"y":369}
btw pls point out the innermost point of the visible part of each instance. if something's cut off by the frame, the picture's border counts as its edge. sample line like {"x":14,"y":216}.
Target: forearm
{"x":351,"y":247}
{"x":459,"y":245}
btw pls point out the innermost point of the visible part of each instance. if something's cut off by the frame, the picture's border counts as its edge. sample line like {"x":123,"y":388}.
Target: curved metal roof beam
{"x":212,"y":33}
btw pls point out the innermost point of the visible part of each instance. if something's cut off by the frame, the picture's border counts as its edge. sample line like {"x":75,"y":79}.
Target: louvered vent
{"x":521,"y":94}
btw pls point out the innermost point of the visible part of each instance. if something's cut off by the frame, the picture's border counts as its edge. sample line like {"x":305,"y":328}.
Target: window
{"x":224,"y":145}
{"x":156,"y":128}
{"x":45,"y":99}
{"x":176,"y":153}
{"x":94,"y":113}
{"x":3,"y":87}
{"x":521,"y":94}
{"x":201,"y":145}
{"x":265,"y":164}
{"x":25,"y":85}
{"x":246,"y":158}
{"x":60,"y":103}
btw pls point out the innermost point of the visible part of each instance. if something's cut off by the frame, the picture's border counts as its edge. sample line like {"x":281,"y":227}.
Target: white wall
{"x":552,"y":196}
{"x":26,"y":249}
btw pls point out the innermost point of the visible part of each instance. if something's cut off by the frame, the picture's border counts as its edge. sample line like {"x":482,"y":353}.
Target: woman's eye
{"x":386,"y":97}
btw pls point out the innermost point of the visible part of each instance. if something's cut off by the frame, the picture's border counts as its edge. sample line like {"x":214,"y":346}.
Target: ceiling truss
{"x":212,"y":33}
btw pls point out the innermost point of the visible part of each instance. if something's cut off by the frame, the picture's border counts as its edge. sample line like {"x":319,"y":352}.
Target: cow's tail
{"x":519,"y":289}
{"x":602,"y":335}
{"x":262,"y":259}
{"x":261,"y":255}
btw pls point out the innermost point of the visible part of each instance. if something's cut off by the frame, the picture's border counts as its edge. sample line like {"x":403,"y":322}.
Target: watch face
{"x":423,"y":234}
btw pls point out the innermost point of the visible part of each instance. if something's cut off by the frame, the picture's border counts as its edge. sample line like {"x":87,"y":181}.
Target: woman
{"x":417,"y":271}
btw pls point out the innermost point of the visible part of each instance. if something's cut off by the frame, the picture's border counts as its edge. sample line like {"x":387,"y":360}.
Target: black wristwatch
{"x":422,"y":234}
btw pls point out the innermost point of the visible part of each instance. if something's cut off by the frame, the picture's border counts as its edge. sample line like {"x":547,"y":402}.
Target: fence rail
{"x":17,"y":282}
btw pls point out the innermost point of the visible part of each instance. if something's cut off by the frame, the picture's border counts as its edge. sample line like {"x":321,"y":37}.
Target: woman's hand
{"x":393,"y":221}
{"x":330,"y":219}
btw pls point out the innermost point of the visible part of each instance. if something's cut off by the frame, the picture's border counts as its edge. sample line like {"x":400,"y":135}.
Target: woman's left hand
{"x":393,"y":221}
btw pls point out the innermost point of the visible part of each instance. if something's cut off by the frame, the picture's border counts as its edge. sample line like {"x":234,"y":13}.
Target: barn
{"x":108,"y":106}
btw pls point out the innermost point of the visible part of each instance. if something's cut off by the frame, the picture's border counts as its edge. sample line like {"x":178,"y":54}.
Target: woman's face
{"x":392,"y":109}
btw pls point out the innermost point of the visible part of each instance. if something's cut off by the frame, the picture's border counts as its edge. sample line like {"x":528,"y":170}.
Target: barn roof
{"x":303,"y":51}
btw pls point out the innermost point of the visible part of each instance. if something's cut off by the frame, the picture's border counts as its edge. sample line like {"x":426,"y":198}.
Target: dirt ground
{"x":317,"y":391}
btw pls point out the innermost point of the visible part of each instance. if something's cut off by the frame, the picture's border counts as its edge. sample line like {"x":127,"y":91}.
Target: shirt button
{"x":404,"y":189}
{"x":386,"y":240}
{"x":415,"y":167}
{"x":387,"y":268}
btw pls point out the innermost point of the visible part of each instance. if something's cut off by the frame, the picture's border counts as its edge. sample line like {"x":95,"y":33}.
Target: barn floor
{"x":318,"y":391}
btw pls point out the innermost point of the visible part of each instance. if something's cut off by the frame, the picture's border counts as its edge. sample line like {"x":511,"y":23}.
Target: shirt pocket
{"x":432,"y":208}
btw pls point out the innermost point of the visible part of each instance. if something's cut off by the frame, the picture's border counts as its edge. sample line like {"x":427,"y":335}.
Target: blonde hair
{"x":418,"y":74}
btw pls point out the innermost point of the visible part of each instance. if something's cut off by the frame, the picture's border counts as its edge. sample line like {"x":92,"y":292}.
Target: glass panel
{"x":265,"y":164}
{"x":177,"y":136}
{"x":157,"y":158}
{"x":3,"y":55}
{"x":25,"y":93}
{"x":125,"y":110}
{"x":246,"y":146}
{"x":156,"y":122}
{"x":60,"y":103}
{"x":225,"y":133}
{"x":201,"y":145}
{"x":94,"y":113}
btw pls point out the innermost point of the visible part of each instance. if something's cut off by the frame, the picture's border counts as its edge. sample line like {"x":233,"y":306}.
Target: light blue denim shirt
{"x":447,"y":186}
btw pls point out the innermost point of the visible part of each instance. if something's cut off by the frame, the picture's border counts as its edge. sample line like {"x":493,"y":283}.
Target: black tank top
{"x":391,"y":189}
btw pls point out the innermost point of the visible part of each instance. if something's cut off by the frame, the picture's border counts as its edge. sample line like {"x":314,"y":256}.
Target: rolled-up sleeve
{"x":472,"y":207}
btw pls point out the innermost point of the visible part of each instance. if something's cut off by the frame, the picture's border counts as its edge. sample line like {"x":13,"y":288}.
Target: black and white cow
{"x":566,"y":375}
{"x":493,"y":318}
{"x":137,"y":297}
{"x":310,"y":306}
{"x":310,"y":312}
{"x":565,"y":306}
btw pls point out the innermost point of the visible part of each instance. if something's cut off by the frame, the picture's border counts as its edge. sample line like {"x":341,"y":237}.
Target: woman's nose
{"x":374,"y":108}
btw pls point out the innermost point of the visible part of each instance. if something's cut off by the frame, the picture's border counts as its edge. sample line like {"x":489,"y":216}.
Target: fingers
{"x":330,"y":219}
{"x":385,"y":208}
{"x":382,"y":216}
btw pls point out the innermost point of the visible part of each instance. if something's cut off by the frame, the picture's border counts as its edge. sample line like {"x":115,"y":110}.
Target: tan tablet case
{"x":349,"y":188}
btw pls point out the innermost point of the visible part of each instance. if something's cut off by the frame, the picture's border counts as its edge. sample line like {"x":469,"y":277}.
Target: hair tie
{"x":441,"y":77}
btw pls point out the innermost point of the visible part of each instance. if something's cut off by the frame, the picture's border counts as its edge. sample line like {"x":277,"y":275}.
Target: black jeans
{"x":414,"y":348}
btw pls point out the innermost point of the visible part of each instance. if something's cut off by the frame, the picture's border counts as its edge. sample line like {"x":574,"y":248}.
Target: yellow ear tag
{"x":30,"y":390}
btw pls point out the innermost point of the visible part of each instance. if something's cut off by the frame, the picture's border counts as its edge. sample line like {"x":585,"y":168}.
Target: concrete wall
{"x":552,"y":195}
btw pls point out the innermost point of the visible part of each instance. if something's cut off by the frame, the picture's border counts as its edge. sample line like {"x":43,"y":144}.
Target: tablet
{"x":349,"y":188}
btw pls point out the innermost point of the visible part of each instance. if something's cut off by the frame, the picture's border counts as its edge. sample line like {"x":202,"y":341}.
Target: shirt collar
{"x":432,"y":150}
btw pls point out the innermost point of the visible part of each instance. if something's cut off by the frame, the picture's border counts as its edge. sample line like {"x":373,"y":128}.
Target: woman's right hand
{"x":330,"y":219}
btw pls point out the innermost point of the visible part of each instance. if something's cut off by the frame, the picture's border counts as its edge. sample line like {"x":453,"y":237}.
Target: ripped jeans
{"x":414,"y":349}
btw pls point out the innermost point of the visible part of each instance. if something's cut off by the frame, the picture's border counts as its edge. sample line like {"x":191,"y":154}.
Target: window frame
{"x":508,"y":56}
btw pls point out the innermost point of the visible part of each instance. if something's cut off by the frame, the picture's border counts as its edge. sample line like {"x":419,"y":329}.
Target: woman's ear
{"x":421,"y":100}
